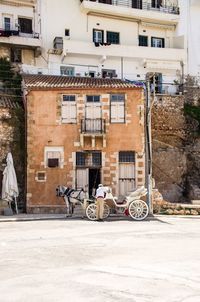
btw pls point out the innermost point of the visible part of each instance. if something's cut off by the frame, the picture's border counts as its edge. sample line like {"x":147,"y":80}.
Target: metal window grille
{"x":89,"y":159}
{"x":96,"y":158}
{"x":80,"y":158}
{"x":126,"y":157}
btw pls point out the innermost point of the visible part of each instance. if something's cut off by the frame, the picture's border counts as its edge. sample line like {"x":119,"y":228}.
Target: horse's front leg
{"x":67,"y":205}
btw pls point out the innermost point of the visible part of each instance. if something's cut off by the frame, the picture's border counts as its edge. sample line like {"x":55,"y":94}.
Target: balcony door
{"x":137,"y":4}
{"x":156,"y":3}
{"x":93,"y":113}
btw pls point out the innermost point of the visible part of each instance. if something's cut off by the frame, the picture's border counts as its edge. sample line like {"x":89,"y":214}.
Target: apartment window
{"x":25,"y":25}
{"x":67,"y":71}
{"x":67,"y":32}
{"x":117,"y":108}
{"x":137,"y":4}
{"x":68,"y":109}
{"x":54,"y":157}
{"x":108,"y":73}
{"x":156,"y":3}
{"x":16,"y":55}
{"x":143,"y":40}
{"x":7,"y":23}
{"x":97,"y":36}
{"x":112,"y":37}
{"x":157,"y":42}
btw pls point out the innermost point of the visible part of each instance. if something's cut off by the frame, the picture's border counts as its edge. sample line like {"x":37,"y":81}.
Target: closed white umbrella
{"x":9,"y":183}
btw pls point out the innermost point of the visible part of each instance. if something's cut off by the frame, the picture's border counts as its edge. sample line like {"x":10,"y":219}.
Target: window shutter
{"x":117,"y":112}
{"x":69,"y":111}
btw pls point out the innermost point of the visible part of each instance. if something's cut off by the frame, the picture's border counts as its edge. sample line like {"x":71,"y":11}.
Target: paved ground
{"x":117,"y":260}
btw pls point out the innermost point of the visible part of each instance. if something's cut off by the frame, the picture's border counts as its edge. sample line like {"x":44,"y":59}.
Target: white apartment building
{"x":190,"y":11}
{"x":20,"y":31}
{"x":101,"y":38}
{"x":113,"y":38}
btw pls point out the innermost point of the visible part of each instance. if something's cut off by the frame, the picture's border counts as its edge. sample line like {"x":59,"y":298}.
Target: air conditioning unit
{"x":58,"y":43}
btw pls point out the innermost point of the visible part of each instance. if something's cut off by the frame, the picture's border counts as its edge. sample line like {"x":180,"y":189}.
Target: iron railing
{"x":144,"y":5}
{"x":14,"y":32}
{"x":93,"y":125}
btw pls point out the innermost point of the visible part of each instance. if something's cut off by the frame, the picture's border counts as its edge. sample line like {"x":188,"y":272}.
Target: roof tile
{"x":52,"y":81}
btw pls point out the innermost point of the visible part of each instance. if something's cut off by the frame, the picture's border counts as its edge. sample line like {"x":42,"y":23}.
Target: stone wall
{"x":169,"y":135}
{"x":12,"y":140}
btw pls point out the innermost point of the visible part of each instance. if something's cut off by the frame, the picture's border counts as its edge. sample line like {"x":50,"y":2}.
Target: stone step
{"x":195,"y":202}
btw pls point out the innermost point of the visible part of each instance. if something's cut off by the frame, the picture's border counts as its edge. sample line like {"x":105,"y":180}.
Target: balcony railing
{"x":14,"y":32}
{"x":144,"y":5}
{"x":92,"y":126}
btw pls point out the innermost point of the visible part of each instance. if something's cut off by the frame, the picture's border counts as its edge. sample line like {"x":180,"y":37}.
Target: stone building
{"x":82,"y":131}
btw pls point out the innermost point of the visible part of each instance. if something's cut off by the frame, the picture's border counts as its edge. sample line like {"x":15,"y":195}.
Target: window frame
{"x":22,"y":26}
{"x":102,"y":35}
{"x":72,"y":99}
{"x":139,"y":41}
{"x":14,"y":55}
{"x":128,"y":153}
{"x":48,"y":149}
{"x":124,"y":101}
{"x":158,"y":38}
{"x":113,"y":41}
{"x":5,"y":23}
{"x":67,"y":68}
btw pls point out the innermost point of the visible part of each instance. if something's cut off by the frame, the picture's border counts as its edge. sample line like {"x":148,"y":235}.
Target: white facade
{"x":20,"y":31}
{"x":191,"y":29}
{"x":75,"y":22}
{"x":173,"y":38}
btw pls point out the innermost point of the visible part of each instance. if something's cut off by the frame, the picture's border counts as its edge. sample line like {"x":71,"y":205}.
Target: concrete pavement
{"x":117,"y":260}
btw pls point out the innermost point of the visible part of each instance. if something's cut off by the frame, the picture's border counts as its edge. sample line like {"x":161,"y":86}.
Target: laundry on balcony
{"x":97,"y":44}
{"x":8,"y":33}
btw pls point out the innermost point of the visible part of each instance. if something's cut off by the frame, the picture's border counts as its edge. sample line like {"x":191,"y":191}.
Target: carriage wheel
{"x":106,"y":212}
{"x":138,"y":210}
{"x":91,"y":211}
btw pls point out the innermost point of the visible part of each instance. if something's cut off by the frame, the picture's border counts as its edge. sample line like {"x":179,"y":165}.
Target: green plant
{"x":193,"y":112}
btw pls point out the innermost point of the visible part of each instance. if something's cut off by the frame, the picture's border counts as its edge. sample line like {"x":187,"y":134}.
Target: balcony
{"x":15,"y":37}
{"x":27,"y":3}
{"x":93,"y":126}
{"x":126,"y":9}
{"x":149,"y":56}
{"x":93,"y":129}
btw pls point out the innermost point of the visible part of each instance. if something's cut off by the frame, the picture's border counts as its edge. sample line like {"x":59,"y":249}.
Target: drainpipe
{"x":122,"y":68}
{"x":149,"y":142}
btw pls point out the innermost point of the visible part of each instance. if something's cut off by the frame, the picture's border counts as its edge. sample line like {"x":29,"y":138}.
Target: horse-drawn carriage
{"x":131,"y":204}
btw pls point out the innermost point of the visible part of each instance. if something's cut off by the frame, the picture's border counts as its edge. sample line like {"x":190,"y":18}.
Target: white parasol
{"x":9,"y":183}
